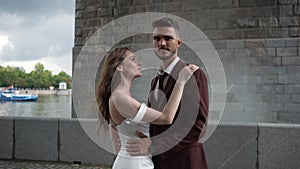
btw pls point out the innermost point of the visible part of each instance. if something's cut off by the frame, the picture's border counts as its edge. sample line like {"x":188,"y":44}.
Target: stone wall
{"x":257,"y":41}
{"x":229,"y":19}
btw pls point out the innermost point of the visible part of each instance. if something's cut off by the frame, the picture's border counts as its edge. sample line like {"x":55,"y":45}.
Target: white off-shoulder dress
{"x":127,"y":130}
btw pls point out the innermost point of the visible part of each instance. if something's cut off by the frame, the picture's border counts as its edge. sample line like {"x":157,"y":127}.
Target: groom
{"x":191,"y":116}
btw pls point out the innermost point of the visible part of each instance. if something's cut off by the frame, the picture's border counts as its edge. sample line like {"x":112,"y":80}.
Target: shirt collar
{"x":171,"y":66}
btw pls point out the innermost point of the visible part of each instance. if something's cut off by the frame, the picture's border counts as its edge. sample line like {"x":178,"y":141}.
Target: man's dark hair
{"x":166,"y":22}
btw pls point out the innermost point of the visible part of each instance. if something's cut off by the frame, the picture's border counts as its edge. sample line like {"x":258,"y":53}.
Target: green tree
{"x":38,"y":78}
{"x":46,"y":79}
{"x":39,"y":68}
{"x":21,"y":78}
{"x":37,"y":75}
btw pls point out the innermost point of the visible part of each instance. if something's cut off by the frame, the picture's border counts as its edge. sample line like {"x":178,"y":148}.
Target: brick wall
{"x":258,"y":43}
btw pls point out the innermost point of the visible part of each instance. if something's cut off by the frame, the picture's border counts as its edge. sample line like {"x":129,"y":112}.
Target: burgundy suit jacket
{"x":188,"y":125}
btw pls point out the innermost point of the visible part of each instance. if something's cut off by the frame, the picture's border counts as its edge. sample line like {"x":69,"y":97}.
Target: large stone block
{"x":293,"y":70}
{"x":292,"y":42}
{"x":275,"y":43}
{"x":290,"y":61}
{"x":268,"y":22}
{"x":278,"y":146}
{"x":232,"y":146}
{"x":288,"y":21}
{"x":239,"y":116}
{"x":288,"y":117}
{"x":172,"y":7}
{"x":77,"y":145}
{"x":192,"y":6}
{"x":287,"y":51}
{"x":274,"y":107}
{"x":283,"y":98}
{"x":270,"y":79}
{"x":296,"y":98}
{"x":270,"y":70}
{"x":286,"y":10}
{"x":247,"y":3}
{"x":219,"y":44}
{"x":6,"y":137}
{"x":226,"y":4}
{"x":269,"y":88}
{"x":264,"y":12}
{"x":294,"y":32}
{"x":286,"y":2}
{"x":266,"y":3}
{"x":292,"y":88}
{"x":289,"y":79}
{"x":297,"y":10}
{"x":235,"y":44}
{"x":294,"y":107}
{"x":36,"y":139}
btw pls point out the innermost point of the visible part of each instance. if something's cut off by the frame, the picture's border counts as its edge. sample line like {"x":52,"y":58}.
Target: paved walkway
{"x":11,"y":164}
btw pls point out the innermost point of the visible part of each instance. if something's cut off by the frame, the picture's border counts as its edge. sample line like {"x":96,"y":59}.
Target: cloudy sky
{"x":33,"y":31}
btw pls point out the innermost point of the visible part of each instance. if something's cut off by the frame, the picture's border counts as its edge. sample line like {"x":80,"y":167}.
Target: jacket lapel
{"x":173,"y":77}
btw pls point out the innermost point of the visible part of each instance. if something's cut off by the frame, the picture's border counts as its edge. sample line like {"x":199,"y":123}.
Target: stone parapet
{"x":232,"y":145}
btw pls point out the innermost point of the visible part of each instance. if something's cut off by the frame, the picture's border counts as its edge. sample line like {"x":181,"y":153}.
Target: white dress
{"x":126,"y":130}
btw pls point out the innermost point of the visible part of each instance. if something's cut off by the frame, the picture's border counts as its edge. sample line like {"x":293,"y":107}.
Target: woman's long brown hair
{"x":108,"y":81}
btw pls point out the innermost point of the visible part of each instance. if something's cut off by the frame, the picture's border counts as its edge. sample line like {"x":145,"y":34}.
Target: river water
{"x":45,"y":106}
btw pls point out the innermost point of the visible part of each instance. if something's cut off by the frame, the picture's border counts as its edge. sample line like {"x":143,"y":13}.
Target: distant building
{"x":62,"y":85}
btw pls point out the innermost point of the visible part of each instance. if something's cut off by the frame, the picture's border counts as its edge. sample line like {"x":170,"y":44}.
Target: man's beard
{"x":164,"y":56}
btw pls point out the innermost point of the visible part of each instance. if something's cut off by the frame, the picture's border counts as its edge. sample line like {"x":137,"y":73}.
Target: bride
{"x":124,"y":114}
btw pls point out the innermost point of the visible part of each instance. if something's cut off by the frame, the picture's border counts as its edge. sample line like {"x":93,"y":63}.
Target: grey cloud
{"x":32,"y":12}
{"x":32,"y":7}
{"x":45,"y":28}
